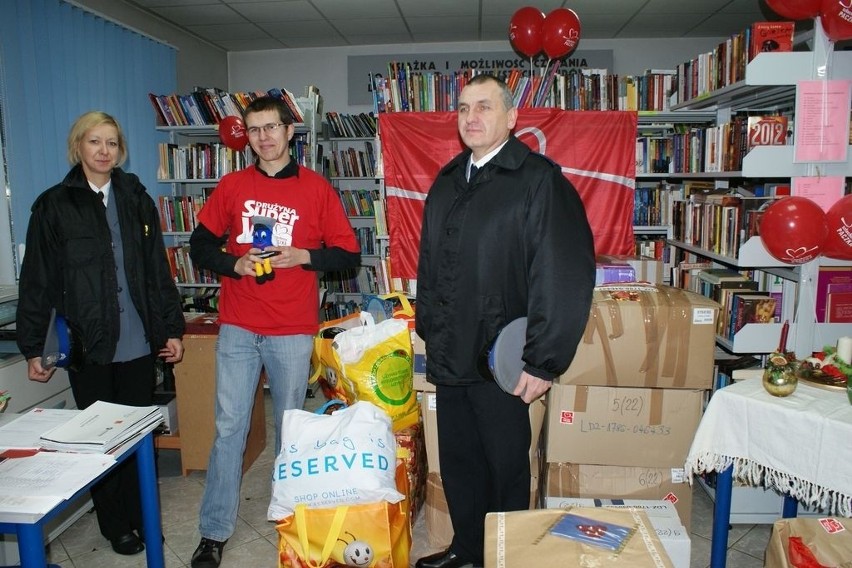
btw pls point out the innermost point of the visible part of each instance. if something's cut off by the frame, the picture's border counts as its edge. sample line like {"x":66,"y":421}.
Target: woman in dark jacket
{"x":95,"y":254}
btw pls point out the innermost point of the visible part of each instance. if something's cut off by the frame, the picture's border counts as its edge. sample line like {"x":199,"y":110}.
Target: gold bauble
{"x":780,"y":382}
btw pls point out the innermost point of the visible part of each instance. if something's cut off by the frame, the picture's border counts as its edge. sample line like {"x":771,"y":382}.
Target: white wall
{"x":198,"y":62}
{"x":327,"y":67}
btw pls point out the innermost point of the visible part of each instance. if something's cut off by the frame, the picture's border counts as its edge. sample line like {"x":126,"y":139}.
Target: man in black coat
{"x":504,"y":236}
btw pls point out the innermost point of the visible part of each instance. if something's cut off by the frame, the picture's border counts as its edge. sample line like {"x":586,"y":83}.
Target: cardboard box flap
{"x":644,"y":335}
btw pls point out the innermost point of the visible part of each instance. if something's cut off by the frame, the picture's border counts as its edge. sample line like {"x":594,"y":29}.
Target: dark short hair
{"x":505,"y":92}
{"x":262,"y":104}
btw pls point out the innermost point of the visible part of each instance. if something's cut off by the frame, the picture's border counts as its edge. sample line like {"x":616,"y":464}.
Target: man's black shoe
{"x":445,"y":559}
{"x":208,"y":554}
{"x":127,"y":544}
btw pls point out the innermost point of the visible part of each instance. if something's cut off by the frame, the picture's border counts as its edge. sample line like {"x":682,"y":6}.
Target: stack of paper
{"x":101,"y":428}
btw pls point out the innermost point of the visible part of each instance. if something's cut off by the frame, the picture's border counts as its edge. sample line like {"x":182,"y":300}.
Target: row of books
{"x":404,"y":90}
{"x":367,"y":240}
{"x":208,"y":106}
{"x":183,"y":270}
{"x":717,"y":222}
{"x":201,"y":299}
{"x":180,"y":213}
{"x":360,"y":202}
{"x":344,"y":125}
{"x":726,"y":64}
{"x":719,"y":148}
{"x":353,"y":163}
{"x":652,"y":205}
{"x":200,"y":160}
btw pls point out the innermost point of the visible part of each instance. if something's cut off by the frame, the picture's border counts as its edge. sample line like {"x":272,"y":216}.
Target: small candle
{"x":782,"y":345}
{"x":844,"y":350}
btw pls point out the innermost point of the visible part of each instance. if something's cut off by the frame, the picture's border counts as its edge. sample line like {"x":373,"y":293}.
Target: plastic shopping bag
{"x":375,"y":362}
{"x":346,"y":458}
{"x":373,"y":534}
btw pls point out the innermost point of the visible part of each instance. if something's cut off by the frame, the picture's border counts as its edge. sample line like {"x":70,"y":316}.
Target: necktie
{"x":473,"y":170}
{"x":101,"y":197}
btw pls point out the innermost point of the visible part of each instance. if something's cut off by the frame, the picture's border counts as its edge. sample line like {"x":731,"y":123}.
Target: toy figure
{"x":261,"y":238}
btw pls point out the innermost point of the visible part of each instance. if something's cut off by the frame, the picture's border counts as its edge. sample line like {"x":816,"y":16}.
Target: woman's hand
{"x":36,"y":372}
{"x":173,"y":351}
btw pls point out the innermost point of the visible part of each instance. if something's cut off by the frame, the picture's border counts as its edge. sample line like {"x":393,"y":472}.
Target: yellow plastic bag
{"x":326,"y":367}
{"x":375,"y":364}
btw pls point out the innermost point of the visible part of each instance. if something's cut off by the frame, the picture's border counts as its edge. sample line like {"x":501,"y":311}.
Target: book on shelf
{"x":771,"y":36}
{"x":750,"y":308}
{"x":826,"y":276}
{"x":838,"y":303}
{"x":767,"y":130}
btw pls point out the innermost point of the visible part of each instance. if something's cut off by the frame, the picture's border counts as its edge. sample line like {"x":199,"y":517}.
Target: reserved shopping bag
{"x":325,"y":461}
{"x":373,"y":534}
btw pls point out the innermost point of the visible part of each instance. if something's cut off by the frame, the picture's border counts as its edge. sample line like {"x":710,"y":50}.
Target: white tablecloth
{"x":800,"y":445}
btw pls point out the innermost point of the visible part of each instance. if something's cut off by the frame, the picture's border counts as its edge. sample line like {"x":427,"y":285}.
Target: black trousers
{"x":116,"y":496}
{"x":483,"y":448}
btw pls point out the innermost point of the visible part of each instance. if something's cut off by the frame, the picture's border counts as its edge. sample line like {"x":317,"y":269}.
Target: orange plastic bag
{"x":374,"y":534}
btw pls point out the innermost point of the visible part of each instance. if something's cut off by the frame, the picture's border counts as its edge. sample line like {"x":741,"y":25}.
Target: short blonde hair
{"x":85,"y":123}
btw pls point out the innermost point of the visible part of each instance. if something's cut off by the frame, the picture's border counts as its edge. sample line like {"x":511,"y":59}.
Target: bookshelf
{"x":192,"y":162}
{"x":769,"y":83}
{"x":353,"y":166}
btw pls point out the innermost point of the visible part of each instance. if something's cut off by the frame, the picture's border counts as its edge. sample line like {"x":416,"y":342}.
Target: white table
{"x":800,"y":446}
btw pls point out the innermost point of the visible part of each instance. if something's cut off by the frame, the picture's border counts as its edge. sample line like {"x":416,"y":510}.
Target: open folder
{"x":62,"y":347}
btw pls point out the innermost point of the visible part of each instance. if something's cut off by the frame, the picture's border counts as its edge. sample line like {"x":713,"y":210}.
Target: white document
{"x":24,"y":432}
{"x":35,"y":484}
{"x":101,"y":427}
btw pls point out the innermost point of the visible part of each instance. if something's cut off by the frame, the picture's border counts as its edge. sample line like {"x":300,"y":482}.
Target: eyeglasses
{"x":267,"y":128}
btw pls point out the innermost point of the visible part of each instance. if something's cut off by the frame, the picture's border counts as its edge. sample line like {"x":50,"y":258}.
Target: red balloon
{"x":793,"y":229}
{"x":836,"y":16}
{"x":795,"y":9}
{"x":232,"y":132}
{"x":525,"y":30}
{"x":560,"y":33}
{"x":838,"y":244}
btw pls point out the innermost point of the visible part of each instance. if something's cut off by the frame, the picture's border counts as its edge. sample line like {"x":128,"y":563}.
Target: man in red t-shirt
{"x":270,"y":325}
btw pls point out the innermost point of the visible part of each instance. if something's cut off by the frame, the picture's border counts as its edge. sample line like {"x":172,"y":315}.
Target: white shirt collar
{"x":487,"y":157}
{"x":106,"y":189}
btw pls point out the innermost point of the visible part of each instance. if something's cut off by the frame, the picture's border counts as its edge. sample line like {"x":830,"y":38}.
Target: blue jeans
{"x":239,"y":357}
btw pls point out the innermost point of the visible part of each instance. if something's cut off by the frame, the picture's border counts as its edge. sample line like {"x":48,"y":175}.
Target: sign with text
{"x":362,"y":67}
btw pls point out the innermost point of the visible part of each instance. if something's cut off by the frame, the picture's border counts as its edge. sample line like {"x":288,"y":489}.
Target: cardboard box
{"x":646,"y":336}
{"x":662,"y":514}
{"x":828,"y":538}
{"x":621,"y":426}
{"x":645,"y":268}
{"x":523,"y":538}
{"x":429,"y":414}
{"x":439,"y":527}
{"x":566,"y":483}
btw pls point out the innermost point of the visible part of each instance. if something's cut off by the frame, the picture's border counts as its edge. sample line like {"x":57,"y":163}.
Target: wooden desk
{"x":798,"y":446}
{"x":30,"y":529}
{"x":195,"y":390}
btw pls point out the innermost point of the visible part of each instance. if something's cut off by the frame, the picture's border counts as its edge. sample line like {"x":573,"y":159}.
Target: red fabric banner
{"x":596,"y":150}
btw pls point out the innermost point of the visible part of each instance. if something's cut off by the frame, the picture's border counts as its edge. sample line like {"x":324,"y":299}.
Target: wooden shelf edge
{"x":167,"y":441}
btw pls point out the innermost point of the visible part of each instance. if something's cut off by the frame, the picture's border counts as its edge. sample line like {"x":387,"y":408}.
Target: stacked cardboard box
{"x":622,"y":418}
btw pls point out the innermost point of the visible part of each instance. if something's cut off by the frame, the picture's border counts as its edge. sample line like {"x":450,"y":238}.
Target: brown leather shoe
{"x":445,"y":559}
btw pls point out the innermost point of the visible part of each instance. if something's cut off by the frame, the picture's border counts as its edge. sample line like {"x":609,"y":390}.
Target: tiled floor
{"x":255,"y":543}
